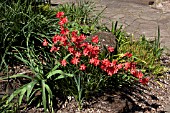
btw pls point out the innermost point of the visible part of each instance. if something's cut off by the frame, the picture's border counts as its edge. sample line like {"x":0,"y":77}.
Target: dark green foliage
{"x":20,"y":22}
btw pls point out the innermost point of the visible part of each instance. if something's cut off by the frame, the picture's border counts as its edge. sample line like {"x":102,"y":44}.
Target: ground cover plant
{"x":66,"y":62}
{"x":146,"y":53}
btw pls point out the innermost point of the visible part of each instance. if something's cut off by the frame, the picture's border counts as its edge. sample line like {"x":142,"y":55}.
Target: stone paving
{"x":138,"y":19}
{"x":136,"y":16}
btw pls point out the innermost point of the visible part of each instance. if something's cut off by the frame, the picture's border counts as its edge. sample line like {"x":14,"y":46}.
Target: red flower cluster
{"x":109,"y":67}
{"x":110,"y":49}
{"x":127,"y":54}
{"x":59,"y":14}
{"x":78,"y":48}
{"x":63,"y":20}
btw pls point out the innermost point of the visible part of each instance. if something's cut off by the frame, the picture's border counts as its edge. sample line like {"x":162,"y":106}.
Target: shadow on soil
{"x":124,"y":100}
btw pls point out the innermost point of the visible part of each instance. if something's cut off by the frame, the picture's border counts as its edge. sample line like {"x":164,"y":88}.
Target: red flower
{"x":106,"y":62}
{"x":95,"y":51}
{"x":111,"y":70}
{"x":84,"y":44}
{"x":86,"y":51}
{"x":82,"y":37}
{"x":95,"y":39}
{"x":113,"y":63}
{"x":59,"y":14}
{"x":133,"y":71}
{"x":82,"y":67}
{"x":103,"y":67}
{"x":91,"y":60}
{"x":63,"y":40}
{"x":63,"y":62}
{"x":75,"y":60}
{"x":90,"y":46}
{"x":133,"y":65}
{"x":119,"y":66}
{"x":110,"y":49}
{"x":128,"y":54}
{"x":45,"y":43}
{"x":71,"y":49}
{"x":56,"y":38}
{"x":137,"y":74}
{"x":74,"y":33}
{"x":127,"y":65}
{"x":94,"y":61}
{"x":74,"y":39}
{"x":77,"y":54}
{"x":64,"y":31}
{"x":53,"y":48}
{"x":144,"y":81}
{"x":63,"y":21}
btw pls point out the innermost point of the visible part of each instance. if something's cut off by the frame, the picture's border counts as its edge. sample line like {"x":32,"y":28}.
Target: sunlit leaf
{"x":22,"y":94}
{"x":16,"y":76}
{"x":30,"y":87}
{"x":48,"y":90}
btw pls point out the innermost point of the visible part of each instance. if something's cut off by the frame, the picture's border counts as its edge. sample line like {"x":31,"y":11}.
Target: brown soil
{"x":152,"y":98}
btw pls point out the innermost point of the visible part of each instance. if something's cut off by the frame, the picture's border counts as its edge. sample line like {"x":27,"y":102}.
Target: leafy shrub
{"x":71,"y":66}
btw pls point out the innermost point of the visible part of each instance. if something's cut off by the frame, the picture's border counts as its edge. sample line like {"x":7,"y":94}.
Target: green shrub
{"x":71,"y":67}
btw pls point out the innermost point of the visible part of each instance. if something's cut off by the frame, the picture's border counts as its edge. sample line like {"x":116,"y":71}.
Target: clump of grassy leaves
{"x":21,"y":21}
{"x":82,"y":16}
{"x":146,"y":53}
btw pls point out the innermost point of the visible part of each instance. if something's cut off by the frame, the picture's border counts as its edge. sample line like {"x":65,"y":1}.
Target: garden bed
{"x":68,"y":62}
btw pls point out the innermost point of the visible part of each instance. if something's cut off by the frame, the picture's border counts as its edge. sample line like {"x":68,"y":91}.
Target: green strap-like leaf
{"x":22,"y":94}
{"x":15,"y":93}
{"x":16,"y":76}
{"x":55,"y":72}
{"x":56,"y":66}
{"x":48,"y":90}
{"x":30,"y":87}
{"x":64,"y":76}
{"x":44,"y":95}
{"x":32,"y":94}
